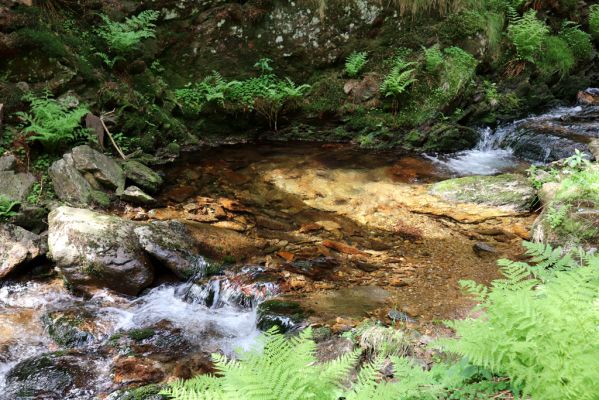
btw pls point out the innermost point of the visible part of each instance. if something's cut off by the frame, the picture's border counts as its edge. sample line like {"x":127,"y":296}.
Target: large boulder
{"x":18,"y":247}
{"x":509,"y":191}
{"x":15,"y":186}
{"x":99,"y":167}
{"x":98,"y":250}
{"x":168,"y":242}
{"x":142,"y":176}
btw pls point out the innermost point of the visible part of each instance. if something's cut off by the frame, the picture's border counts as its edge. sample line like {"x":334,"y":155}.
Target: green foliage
{"x":355,"y":62}
{"x":44,"y":40}
{"x":52,"y":122}
{"x":594,"y":21}
{"x":541,"y":332}
{"x":266,"y":94}
{"x":578,"y":41}
{"x":556,"y":58}
{"x":123,"y":37}
{"x":527,"y":33}
{"x":7,"y":207}
{"x":398,"y":79}
{"x":433,"y":58}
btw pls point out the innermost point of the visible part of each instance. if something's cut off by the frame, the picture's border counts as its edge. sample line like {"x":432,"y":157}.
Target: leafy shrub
{"x":578,"y":41}
{"x":52,"y":122}
{"x":527,"y":34}
{"x":355,"y":62}
{"x":556,"y":58}
{"x":7,"y":207}
{"x":540,"y":331}
{"x":122,"y":37}
{"x":594,"y":21}
{"x":433,"y":58}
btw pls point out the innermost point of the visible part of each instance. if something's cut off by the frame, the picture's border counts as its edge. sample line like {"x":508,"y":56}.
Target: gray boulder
{"x":97,"y":250}
{"x":15,"y":186}
{"x":71,"y":186}
{"x":18,"y":247}
{"x":135,"y":195}
{"x":102,"y":168}
{"x":169,"y":242}
{"x":142,"y":176}
{"x":8,"y":163}
{"x":68,"y":183}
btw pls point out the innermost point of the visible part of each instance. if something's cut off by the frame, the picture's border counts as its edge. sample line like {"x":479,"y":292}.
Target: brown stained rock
{"x":231,"y":225}
{"x":273,"y":224}
{"x":285,"y":255}
{"x":218,"y":243}
{"x":232,"y":205}
{"x":180,"y":193}
{"x":311,"y":227}
{"x":129,"y":370}
{"x":343,"y":248}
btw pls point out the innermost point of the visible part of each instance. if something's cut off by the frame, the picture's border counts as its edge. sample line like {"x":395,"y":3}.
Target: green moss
{"x":141,"y":334}
{"x":142,"y":393}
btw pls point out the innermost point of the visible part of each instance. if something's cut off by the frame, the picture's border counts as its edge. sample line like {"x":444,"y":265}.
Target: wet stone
{"x":68,"y":328}
{"x":283,"y":314}
{"x":56,"y":375}
{"x":482,"y":249}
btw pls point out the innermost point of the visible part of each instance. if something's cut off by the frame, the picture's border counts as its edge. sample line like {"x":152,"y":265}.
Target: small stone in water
{"x":482,"y":249}
{"x":396,"y":315}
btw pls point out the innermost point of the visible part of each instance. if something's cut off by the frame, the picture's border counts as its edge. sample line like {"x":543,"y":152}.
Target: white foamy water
{"x":219,"y":316}
{"x":493,"y":154}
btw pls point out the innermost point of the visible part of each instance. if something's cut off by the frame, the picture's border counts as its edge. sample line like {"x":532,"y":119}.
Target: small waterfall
{"x":536,"y":139}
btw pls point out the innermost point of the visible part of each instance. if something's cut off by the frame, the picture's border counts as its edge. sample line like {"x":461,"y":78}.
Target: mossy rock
{"x":148,"y":392}
{"x":67,"y":329}
{"x":284,"y":314}
{"x":510,"y":191}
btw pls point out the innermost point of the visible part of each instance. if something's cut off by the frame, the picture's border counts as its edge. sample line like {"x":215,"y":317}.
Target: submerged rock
{"x":68,"y":328}
{"x":98,"y":250}
{"x":285,"y":315}
{"x":60,"y":375}
{"x":18,"y":247}
{"x":509,"y":191}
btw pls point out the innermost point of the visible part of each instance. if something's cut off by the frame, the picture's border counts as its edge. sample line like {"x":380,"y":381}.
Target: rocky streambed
{"x":240,"y":238}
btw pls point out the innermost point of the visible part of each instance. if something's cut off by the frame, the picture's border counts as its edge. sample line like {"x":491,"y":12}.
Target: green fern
{"x":7,"y":207}
{"x":51,"y":122}
{"x":541,"y":332}
{"x":527,"y":34}
{"x":122,"y":37}
{"x":594,"y":21}
{"x":578,"y":40}
{"x":355,"y":62}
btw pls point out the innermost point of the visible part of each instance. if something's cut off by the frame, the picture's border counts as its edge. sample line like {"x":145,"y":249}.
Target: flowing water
{"x":537,"y":139}
{"x":281,"y":202}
